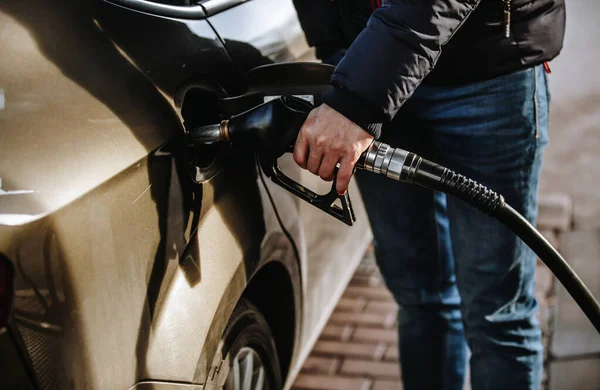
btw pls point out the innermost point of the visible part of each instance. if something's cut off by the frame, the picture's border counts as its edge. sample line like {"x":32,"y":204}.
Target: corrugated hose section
{"x":471,"y":192}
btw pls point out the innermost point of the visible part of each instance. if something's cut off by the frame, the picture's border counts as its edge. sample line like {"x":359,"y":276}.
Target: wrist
{"x":359,"y":111}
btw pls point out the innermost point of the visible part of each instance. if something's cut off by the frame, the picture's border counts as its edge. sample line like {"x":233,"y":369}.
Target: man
{"x":464,"y":84}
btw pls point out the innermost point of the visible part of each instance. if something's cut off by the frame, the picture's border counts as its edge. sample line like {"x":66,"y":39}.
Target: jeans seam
{"x":525,"y":178}
{"x":438,"y":286}
{"x":535,"y":102}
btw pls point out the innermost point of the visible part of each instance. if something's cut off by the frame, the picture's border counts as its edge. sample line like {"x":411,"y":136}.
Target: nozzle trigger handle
{"x":279,"y":140}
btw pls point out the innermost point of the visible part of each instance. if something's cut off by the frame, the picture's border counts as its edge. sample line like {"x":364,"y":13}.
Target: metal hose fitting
{"x":407,"y":167}
{"x":382,"y":159}
{"x":210,"y":133}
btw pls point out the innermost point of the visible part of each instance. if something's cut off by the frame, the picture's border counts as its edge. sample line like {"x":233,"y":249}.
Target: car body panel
{"x":134,"y":310}
{"x":127,"y":271}
{"x":332,"y":249}
{"x":49,"y":112}
{"x":99,"y":151}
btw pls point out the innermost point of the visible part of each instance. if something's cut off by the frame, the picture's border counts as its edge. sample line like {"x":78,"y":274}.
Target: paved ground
{"x":357,"y":349}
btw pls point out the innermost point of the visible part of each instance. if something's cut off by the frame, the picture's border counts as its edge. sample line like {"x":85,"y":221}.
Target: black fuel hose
{"x":408,"y":167}
{"x":275,"y":125}
{"x":550,"y":256}
{"x":494,"y":205}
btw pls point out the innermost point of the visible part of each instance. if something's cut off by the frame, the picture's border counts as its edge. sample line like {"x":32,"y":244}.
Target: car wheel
{"x":249,"y":348}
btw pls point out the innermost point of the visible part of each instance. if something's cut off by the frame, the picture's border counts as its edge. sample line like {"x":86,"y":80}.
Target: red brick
{"x":385,"y":307}
{"x":543,"y":279}
{"x":360,"y":280}
{"x":337,"y":332}
{"x":544,"y":311}
{"x":365,"y":271}
{"x":364,"y":319}
{"x":551,"y":236}
{"x":366,"y":280}
{"x":322,"y":382}
{"x":555,"y":212}
{"x":387,"y":385}
{"x":370,"y":369}
{"x":351,"y":304}
{"x":376,"y":335}
{"x":321,"y":365}
{"x":371,"y":351}
{"x":380,"y":293}
{"x":392,"y":353}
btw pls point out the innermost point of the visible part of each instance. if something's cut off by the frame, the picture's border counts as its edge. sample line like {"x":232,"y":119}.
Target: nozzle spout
{"x":210,"y":133}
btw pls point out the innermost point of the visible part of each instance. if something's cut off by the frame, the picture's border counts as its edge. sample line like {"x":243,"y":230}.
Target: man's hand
{"x":327,"y":138}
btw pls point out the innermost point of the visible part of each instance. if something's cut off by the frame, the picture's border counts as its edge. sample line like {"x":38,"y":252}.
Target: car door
{"x":332,"y":250}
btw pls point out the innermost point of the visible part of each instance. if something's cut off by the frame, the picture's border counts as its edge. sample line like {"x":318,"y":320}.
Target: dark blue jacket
{"x":439,"y":41}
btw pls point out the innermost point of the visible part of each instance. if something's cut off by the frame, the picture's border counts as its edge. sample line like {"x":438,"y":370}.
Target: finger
{"x":302,"y":141}
{"x":301,"y":150}
{"x":343,"y":176}
{"x":314,"y":160}
{"x":327,"y":169}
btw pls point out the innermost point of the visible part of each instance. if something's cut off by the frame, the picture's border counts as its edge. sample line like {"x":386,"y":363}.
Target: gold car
{"x":129,"y":259}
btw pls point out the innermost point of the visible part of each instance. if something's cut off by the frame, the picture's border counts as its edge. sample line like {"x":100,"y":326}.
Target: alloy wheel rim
{"x":247,"y":371}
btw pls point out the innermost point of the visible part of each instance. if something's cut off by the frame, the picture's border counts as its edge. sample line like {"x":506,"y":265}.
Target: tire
{"x":249,"y":348}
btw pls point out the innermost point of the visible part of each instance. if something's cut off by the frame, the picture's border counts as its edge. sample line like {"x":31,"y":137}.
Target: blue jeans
{"x":460,"y":277}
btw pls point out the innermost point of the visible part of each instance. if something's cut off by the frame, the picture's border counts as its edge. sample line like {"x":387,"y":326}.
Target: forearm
{"x":390,"y":58}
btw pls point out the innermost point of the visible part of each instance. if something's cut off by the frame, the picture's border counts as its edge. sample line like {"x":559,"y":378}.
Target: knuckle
{"x":307,"y":130}
{"x":321,"y":141}
{"x":304,"y":134}
{"x":338,"y":148}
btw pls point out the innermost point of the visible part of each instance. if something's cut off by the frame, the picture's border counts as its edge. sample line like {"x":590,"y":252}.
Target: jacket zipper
{"x":506,"y":4}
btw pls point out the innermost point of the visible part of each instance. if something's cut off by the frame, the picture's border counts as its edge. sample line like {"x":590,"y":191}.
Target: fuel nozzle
{"x":267,"y":127}
{"x":271,"y":129}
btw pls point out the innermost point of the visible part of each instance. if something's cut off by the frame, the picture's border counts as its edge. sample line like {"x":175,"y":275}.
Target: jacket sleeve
{"x":391,"y":56}
{"x":320,"y":21}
